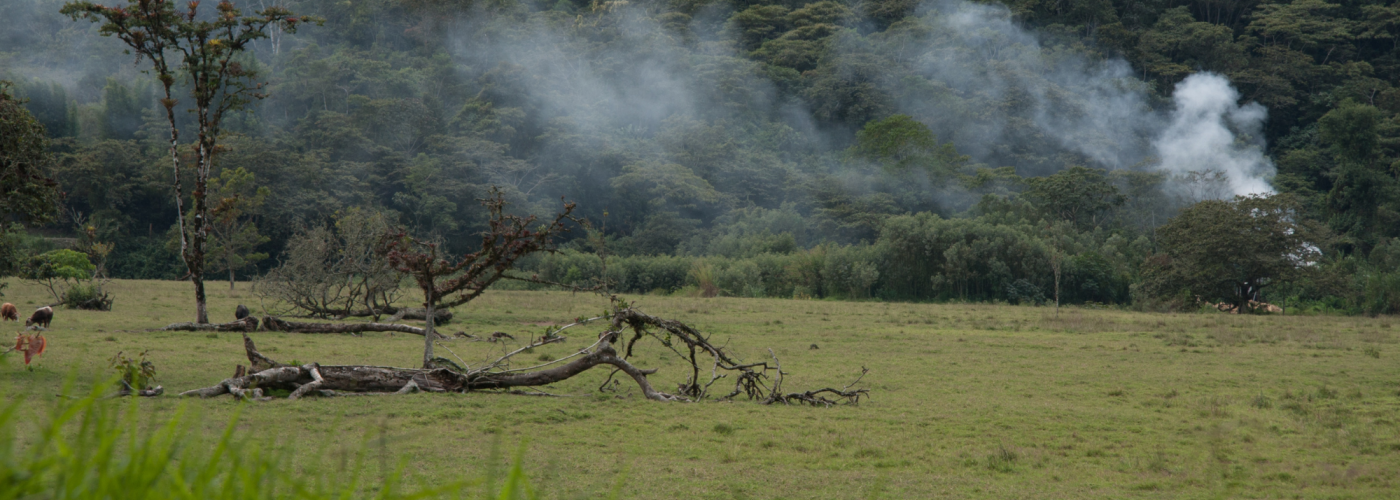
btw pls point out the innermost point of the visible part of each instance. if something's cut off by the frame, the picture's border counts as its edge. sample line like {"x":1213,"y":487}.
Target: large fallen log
{"x":248,"y":324}
{"x":315,"y":378}
{"x":751,"y":379}
{"x":275,"y":324}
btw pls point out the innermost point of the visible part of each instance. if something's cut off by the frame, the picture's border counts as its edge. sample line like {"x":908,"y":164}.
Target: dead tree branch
{"x":441,"y":375}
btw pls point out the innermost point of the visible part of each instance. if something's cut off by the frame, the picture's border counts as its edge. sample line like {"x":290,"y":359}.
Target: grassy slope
{"x":968,"y":400}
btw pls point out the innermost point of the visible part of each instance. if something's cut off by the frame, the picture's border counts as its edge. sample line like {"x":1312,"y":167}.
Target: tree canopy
{"x":1231,"y":250}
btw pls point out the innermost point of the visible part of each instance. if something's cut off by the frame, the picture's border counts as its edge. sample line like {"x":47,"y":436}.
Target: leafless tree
{"x":336,"y":271}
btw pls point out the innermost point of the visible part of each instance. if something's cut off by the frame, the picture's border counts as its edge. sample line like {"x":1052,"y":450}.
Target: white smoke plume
{"x":1209,"y":131}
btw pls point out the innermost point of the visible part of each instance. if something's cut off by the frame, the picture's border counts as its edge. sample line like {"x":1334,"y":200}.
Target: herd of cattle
{"x":41,"y":317}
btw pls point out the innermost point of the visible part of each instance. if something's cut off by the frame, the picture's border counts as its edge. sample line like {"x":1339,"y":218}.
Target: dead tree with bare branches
{"x":627,"y":327}
{"x":508,"y":238}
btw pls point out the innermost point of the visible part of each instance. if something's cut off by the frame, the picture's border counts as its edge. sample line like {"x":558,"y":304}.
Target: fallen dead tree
{"x":248,"y":324}
{"x":442,"y":316}
{"x":276,"y":324}
{"x":750,"y":379}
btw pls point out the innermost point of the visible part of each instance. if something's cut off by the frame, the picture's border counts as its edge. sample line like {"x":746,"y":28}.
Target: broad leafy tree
{"x":1230,"y":251}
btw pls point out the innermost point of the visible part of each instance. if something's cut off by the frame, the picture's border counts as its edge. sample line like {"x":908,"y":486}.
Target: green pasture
{"x":967,"y":400}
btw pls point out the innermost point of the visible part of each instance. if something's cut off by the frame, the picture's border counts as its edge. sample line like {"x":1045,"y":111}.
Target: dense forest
{"x":1144,"y":152}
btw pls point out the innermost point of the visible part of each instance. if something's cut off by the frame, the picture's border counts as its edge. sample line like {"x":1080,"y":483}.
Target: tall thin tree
{"x":200,"y":51}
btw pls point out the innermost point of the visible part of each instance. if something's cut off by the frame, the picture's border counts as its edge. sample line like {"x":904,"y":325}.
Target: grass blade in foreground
{"x":90,"y":447}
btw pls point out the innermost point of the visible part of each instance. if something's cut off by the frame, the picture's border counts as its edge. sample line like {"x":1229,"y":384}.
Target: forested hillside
{"x":863,"y":148}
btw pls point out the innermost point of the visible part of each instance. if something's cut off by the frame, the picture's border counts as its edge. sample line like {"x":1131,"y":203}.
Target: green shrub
{"x":138,"y":372}
{"x":86,"y":296}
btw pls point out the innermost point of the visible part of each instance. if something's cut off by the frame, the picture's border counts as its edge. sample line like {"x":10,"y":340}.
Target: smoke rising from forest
{"x":1096,"y":109}
{"x":960,"y":61}
{"x":955,"y":70}
{"x":1209,"y":129}
{"x":644,"y":79}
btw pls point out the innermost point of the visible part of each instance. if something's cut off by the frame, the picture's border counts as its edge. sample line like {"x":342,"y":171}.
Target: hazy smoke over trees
{"x":1095,"y":109}
{"x":641,"y":83}
{"x":969,"y":71}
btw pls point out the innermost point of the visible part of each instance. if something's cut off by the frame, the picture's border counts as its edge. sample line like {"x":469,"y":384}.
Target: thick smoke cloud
{"x":1208,"y":130}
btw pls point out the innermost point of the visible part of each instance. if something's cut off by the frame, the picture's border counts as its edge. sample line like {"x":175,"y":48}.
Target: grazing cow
{"x":42,"y":316}
{"x":241,"y":312}
{"x":9,"y":312}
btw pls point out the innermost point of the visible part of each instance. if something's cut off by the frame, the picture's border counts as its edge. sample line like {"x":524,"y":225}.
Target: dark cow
{"x":42,"y":316}
{"x":241,"y":312}
{"x":9,"y":312}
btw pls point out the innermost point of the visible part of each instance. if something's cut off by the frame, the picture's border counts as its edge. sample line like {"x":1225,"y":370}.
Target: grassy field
{"x":967,"y":401}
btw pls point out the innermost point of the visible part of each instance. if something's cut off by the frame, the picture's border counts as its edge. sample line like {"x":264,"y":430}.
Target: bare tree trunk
{"x":1056,"y":262}
{"x":194,"y":258}
{"x":201,"y":311}
{"x":201,"y":307}
{"x":230,"y":277}
{"x":428,"y":338}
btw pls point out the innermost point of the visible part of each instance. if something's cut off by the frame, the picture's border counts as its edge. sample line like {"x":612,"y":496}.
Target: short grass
{"x":967,"y":401}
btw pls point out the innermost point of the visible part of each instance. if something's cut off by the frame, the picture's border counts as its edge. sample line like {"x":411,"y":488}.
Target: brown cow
{"x":42,"y":316}
{"x":9,"y":312}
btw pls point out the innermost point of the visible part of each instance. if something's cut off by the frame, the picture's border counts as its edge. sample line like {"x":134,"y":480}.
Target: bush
{"x":87,"y":296}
